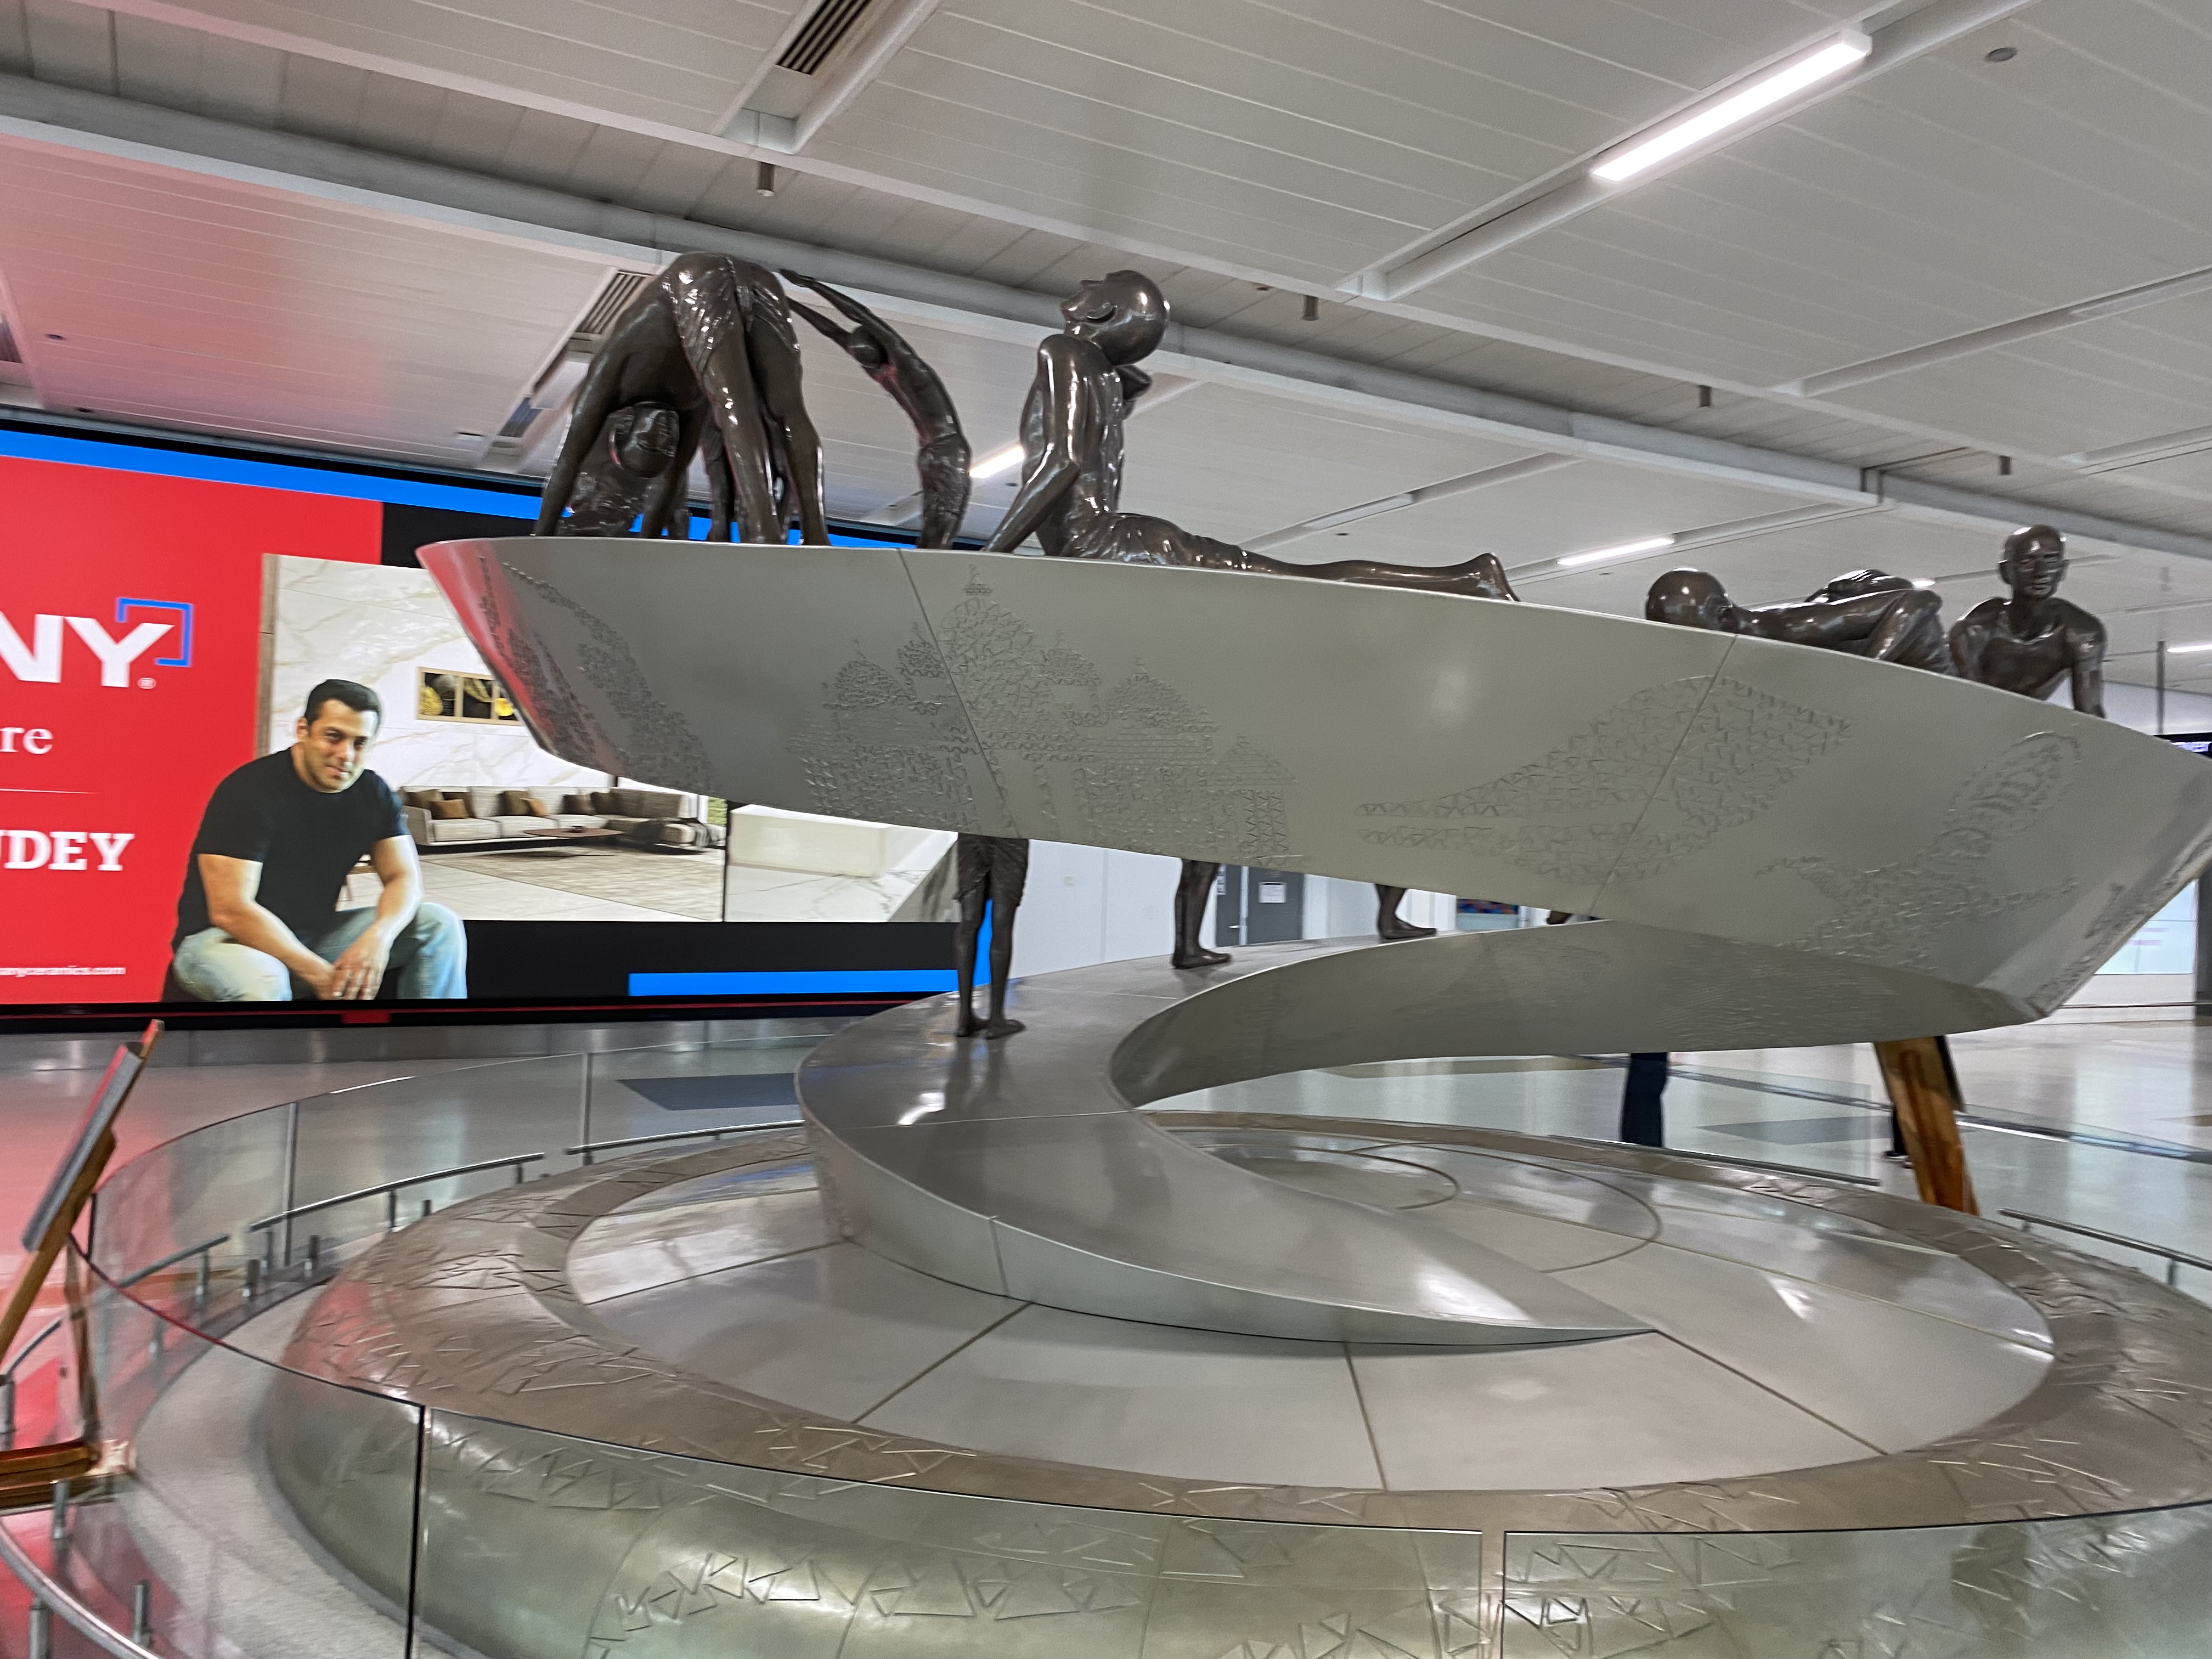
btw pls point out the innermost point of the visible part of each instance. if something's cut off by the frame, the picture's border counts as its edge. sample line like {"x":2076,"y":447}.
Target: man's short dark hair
{"x":354,"y":695}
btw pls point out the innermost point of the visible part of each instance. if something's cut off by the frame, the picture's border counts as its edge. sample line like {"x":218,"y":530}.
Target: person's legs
{"x":1642,"y":1109}
{"x":216,"y":968}
{"x":1192,"y":889}
{"x":430,"y":958}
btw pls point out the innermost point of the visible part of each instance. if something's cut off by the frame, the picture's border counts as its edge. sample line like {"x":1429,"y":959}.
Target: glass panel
{"x":2120,"y":1585}
{"x":205,"y":1185}
{"x":537,"y":1543}
{"x":189,"y":1517}
{"x":362,"y":1137}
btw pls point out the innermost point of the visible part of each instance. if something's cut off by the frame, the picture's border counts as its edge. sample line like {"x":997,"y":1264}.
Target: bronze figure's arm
{"x":893,"y":364}
{"x":2086,"y":641}
{"x":1059,"y":398}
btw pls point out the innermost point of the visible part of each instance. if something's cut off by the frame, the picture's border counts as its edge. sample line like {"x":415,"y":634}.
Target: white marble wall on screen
{"x":381,"y":625}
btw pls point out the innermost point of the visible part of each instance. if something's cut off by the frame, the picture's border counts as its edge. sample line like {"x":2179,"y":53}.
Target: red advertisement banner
{"x":129,"y":666}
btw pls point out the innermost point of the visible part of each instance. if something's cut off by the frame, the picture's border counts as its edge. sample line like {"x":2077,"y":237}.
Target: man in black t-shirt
{"x":258,"y":919}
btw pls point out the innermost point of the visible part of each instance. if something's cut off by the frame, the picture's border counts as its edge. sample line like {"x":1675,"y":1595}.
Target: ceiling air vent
{"x":821,"y":34}
{"x":622,"y":288}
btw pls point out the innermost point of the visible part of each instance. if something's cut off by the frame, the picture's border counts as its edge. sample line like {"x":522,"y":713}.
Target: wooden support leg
{"x":1927,"y":1111}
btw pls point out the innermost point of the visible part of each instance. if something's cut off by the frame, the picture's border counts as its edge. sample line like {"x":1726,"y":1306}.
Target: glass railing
{"x":390,"y":1528}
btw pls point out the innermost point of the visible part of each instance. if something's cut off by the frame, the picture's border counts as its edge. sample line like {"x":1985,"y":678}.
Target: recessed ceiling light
{"x":998,"y":461}
{"x":2000,"y":54}
{"x":1649,"y":545}
{"x":1846,"y":51}
{"x":467,"y":435}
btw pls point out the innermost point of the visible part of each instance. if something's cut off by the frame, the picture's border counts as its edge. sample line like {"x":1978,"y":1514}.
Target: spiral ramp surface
{"x":1791,"y":847}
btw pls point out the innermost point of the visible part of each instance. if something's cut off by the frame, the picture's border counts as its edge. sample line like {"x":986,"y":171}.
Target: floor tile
{"x":1049,"y":1383}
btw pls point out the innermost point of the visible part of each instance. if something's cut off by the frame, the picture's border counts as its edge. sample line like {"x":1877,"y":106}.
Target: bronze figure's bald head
{"x":1123,"y":313}
{"x":2033,"y":562}
{"x":1688,"y":598}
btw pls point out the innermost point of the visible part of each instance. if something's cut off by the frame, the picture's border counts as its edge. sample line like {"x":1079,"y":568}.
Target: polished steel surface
{"x":1795,"y":1415}
{"x":1795,"y":847}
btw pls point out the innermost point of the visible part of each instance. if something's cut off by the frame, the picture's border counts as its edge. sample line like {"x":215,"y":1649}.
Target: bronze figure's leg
{"x":943,"y":464}
{"x":1192,"y":889}
{"x":972,"y":879}
{"x":1481,"y":577}
{"x":990,"y":872}
{"x":709,"y":320}
{"x":1389,"y":926}
{"x":774,"y":354}
{"x":1010,"y":868}
{"x":595,"y":403}
{"x":721,"y":492}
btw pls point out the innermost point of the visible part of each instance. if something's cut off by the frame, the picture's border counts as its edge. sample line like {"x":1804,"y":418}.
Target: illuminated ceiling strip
{"x":1625,"y":549}
{"x":1847,"y":51}
{"x":1575,"y":190}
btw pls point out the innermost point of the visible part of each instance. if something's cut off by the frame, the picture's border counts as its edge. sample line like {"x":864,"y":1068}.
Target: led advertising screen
{"x":170,"y":620}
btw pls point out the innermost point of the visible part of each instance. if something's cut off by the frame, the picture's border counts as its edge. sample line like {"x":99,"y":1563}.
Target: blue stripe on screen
{"x":912,"y":979}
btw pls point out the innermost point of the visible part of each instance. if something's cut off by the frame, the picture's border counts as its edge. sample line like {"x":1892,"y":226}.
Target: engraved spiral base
{"x":672,"y":1412}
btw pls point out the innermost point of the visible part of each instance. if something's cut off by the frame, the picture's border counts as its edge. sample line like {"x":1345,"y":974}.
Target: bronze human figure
{"x":2031,"y":641}
{"x":1869,"y":613}
{"x":1070,"y":491}
{"x":633,"y":469}
{"x":892,"y":364}
{"x":990,"y":871}
{"x":709,"y":338}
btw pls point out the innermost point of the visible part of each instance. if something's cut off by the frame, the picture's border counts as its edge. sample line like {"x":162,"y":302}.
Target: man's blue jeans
{"x":429,"y":959}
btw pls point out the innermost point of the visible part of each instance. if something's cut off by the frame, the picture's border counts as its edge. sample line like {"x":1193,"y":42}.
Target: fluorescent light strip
{"x":2184,"y":650}
{"x":998,"y":461}
{"x":1838,"y":55}
{"x":1649,"y":545}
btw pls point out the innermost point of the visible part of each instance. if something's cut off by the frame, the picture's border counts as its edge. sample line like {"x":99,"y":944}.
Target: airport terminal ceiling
{"x":1958,"y":288}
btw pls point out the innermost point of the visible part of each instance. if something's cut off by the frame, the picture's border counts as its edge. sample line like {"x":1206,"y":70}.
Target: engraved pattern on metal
{"x":1796,"y":846}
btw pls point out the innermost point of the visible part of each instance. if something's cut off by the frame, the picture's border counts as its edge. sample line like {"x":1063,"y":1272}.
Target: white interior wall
{"x":379,"y":624}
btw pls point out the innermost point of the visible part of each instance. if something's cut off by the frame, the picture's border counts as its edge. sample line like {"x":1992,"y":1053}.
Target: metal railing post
{"x":57,"y":1527}
{"x":40,"y":1643}
{"x":142,"y":1613}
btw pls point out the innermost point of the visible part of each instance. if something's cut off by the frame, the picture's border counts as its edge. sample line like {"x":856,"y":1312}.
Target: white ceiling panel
{"x":1299,"y":138}
{"x":2095,"y":385}
{"x":1237,"y":464}
{"x":198,"y":303}
{"x":1947,"y":195}
{"x":676,"y":61}
{"x":1589,"y":505}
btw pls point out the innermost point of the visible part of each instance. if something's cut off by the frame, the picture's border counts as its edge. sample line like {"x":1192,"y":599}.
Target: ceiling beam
{"x":36,"y":114}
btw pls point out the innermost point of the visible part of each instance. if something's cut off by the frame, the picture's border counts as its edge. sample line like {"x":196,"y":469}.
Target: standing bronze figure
{"x":1070,"y":491}
{"x":990,"y":872}
{"x":2033,"y":640}
{"x":710,"y":339}
{"x":1869,"y":613}
{"x":891,"y":363}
